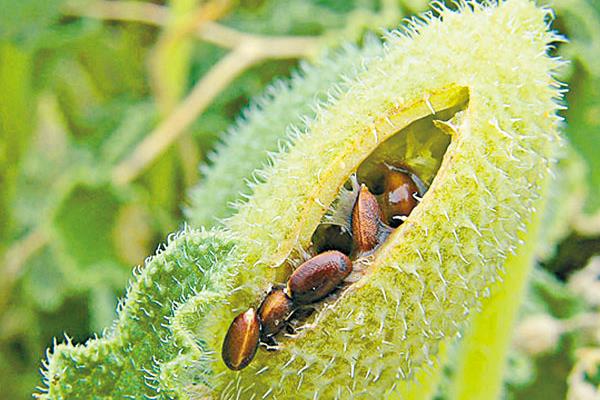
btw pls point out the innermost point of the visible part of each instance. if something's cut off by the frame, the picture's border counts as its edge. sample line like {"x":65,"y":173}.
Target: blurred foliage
{"x":78,"y":95}
{"x":581,"y":22}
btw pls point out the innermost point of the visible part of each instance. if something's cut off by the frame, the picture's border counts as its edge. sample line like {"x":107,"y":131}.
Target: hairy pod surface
{"x":431,"y":272}
{"x":494,"y":98}
{"x":149,"y":348}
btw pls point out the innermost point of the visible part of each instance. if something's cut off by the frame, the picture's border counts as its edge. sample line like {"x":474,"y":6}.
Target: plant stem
{"x":14,"y":259}
{"x":484,"y":349}
{"x":182,"y":116}
{"x":282,"y":46}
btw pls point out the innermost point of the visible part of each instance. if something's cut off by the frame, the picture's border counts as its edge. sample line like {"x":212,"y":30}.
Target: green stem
{"x":169,"y":68}
{"x":483,"y":353}
{"x":172,"y":57}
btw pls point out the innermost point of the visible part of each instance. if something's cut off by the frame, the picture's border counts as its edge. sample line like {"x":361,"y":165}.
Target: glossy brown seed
{"x":318,"y":277}
{"x":274,"y":311}
{"x":241,"y":341}
{"x":398,"y":196}
{"x":366,"y":218}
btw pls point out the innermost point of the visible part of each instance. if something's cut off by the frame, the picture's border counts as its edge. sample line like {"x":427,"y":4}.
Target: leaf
{"x":567,"y":194}
{"x":15,"y":124}
{"x":85,"y":220}
{"x":135,"y":124}
{"x":548,"y":295}
{"x":583,"y":125}
{"x":581,"y":20}
{"x":45,"y":282}
{"x":26,"y":19}
{"x":104,"y":305}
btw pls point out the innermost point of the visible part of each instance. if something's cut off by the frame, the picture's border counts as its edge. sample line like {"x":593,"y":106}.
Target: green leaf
{"x":46,"y":283}
{"x":583,"y":129}
{"x":16,"y":124}
{"x":581,"y":22}
{"x":104,"y":302}
{"x":27,"y":19}
{"x":137,"y":121}
{"x":567,"y":191}
{"x":84,"y":222}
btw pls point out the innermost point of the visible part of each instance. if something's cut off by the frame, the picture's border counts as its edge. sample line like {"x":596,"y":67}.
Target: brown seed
{"x":398,"y":196}
{"x":241,"y":341}
{"x":366,"y":218}
{"x":318,"y":277}
{"x":274,"y":312}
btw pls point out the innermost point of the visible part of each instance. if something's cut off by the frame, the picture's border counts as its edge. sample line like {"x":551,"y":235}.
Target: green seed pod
{"x":476,"y":122}
{"x":412,"y":295}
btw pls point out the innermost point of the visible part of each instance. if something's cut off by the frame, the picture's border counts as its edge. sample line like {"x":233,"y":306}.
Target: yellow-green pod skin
{"x":418,"y":287}
{"x":433,"y":270}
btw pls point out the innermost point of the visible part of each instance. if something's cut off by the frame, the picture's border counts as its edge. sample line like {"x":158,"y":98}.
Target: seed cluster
{"x":372,"y":219}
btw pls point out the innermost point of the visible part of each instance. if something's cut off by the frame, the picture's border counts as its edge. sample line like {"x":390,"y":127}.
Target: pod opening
{"x":374,"y":201}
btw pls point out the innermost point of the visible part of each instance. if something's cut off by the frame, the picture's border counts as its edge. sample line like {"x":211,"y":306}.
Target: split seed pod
{"x":496,"y":99}
{"x":318,"y":277}
{"x":241,"y":340}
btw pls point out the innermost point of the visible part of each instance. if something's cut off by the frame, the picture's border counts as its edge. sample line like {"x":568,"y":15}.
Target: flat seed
{"x":274,"y":311}
{"x":398,"y":196}
{"x":366,"y":218}
{"x":318,"y":277}
{"x":241,"y":341}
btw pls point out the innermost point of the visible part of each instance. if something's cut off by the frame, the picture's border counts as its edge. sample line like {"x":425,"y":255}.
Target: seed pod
{"x":274,"y":312}
{"x":318,"y":277}
{"x":241,"y":341}
{"x":398,"y":196}
{"x":366,"y":218}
